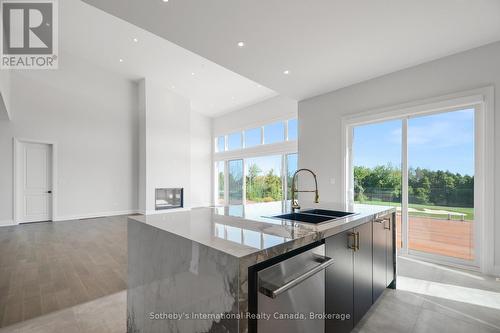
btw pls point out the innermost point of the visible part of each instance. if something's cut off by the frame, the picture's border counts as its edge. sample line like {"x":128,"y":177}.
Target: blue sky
{"x":438,"y":142}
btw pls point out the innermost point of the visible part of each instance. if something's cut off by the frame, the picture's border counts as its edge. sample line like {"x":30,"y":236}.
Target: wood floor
{"x":430,"y":299}
{"x":45,"y":267}
{"x":449,"y":238}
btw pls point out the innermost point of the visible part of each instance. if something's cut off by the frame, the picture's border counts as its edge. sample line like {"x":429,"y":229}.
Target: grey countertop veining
{"x":250,"y":231}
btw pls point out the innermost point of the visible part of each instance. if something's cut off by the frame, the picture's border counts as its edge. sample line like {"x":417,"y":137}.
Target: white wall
{"x":320,"y":117}
{"x":201,"y":160}
{"x":174,"y":145}
{"x":255,"y":115}
{"x":91,"y":115}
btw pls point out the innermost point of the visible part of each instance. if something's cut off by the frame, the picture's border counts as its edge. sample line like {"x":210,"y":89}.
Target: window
{"x":264,"y":181}
{"x":274,"y":133}
{"x":235,"y":182}
{"x":220,"y":143}
{"x":291,"y":167}
{"x":292,"y":129}
{"x":234,"y":141}
{"x":260,"y":174}
{"x":253,"y":137}
{"x":219,"y":182}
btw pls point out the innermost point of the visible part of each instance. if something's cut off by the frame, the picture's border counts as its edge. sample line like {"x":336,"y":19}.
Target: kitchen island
{"x":189,"y":271}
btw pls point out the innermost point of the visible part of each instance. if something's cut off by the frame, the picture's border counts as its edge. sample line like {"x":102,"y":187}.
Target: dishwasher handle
{"x":273,"y":292}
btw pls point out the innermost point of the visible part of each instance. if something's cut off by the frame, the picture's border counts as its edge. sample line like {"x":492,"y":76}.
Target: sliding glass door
{"x":264,"y":182}
{"x":423,"y":165}
{"x":235,"y":182}
{"x":377,"y":166}
{"x":441,"y":184}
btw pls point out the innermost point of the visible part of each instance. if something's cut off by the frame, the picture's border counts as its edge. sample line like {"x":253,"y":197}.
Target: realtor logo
{"x":29,"y":34}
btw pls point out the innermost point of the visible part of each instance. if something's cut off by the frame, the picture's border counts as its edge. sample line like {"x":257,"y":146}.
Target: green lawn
{"x":468,"y":211}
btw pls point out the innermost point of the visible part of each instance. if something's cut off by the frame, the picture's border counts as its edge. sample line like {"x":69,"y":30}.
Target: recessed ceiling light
{"x":193,"y":73}
{"x":164,"y":0}
{"x":135,"y":40}
{"x":241,"y":44}
{"x":286,"y":72}
{"x":120,"y":60}
{"x":173,"y":87}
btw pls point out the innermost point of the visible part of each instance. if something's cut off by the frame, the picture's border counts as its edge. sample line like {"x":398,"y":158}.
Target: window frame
{"x":482,"y":100}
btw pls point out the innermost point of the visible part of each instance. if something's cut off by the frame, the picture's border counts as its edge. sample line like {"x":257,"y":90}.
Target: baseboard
{"x":7,"y":223}
{"x":95,"y":215}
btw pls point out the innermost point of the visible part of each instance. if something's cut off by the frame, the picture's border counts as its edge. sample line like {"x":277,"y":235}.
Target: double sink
{"x":315,"y":216}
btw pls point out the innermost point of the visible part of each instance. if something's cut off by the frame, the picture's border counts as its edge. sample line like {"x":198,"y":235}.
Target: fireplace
{"x":169,"y":198}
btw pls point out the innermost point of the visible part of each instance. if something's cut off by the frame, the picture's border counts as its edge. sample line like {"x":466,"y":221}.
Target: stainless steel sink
{"x":315,"y":216}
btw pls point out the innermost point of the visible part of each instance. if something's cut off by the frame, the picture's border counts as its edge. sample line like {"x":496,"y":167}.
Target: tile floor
{"x":433,"y":298}
{"x":430,"y":298}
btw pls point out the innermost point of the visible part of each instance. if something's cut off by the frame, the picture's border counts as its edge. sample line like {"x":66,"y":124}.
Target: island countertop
{"x":198,"y":260}
{"x":245,"y":231}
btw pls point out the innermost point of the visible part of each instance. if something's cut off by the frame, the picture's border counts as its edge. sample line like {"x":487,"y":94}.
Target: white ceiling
{"x":103,"y":39}
{"x":326,"y":44}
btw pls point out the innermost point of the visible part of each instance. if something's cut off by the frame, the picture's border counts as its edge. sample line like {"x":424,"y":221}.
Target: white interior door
{"x":35,"y":182}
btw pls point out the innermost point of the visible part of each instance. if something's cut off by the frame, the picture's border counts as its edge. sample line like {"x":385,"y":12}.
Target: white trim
{"x":404,"y":187}
{"x":487,"y":195}
{"x":484,"y":173}
{"x":16,"y":142}
{"x":7,"y":223}
{"x":285,"y":147}
{"x":96,"y":215}
{"x":420,"y":107}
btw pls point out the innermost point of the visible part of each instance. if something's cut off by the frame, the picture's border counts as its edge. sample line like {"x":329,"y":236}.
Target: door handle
{"x":49,"y":192}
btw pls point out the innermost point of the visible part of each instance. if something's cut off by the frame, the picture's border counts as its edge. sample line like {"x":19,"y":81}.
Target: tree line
{"x":428,"y":187}
{"x":263,"y":187}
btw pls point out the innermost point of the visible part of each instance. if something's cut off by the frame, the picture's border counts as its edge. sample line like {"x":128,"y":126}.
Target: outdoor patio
{"x":439,"y":236}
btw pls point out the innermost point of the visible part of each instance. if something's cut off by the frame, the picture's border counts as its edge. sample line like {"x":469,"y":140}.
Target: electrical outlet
{"x":332,"y":181}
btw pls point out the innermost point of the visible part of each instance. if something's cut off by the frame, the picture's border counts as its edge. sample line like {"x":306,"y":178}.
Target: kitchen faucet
{"x":295,"y":202}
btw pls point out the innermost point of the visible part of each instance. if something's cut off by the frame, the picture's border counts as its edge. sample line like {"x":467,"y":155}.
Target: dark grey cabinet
{"x":363,"y":278}
{"x":383,"y":254}
{"x":339,"y":281}
{"x":391,"y":251}
{"x":349,"y":279}
{"x":379,"y":258}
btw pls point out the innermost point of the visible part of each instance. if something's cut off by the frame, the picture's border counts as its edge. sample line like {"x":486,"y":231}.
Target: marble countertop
{"x":245,"y":231}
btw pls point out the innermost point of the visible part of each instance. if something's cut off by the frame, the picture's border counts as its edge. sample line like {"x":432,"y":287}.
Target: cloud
{"x":441,"y":131}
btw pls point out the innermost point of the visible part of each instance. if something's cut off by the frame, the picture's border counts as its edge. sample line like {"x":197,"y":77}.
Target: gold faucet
{"x":295,"y":202}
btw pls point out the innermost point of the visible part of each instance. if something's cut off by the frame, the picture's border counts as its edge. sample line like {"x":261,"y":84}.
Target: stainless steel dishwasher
{"x":293,"y":288}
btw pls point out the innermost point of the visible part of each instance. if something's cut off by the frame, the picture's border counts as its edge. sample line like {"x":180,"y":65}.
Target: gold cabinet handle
{"x":352,"y":245}
{"x":357,"y":241}
{"x":390,"y":222}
